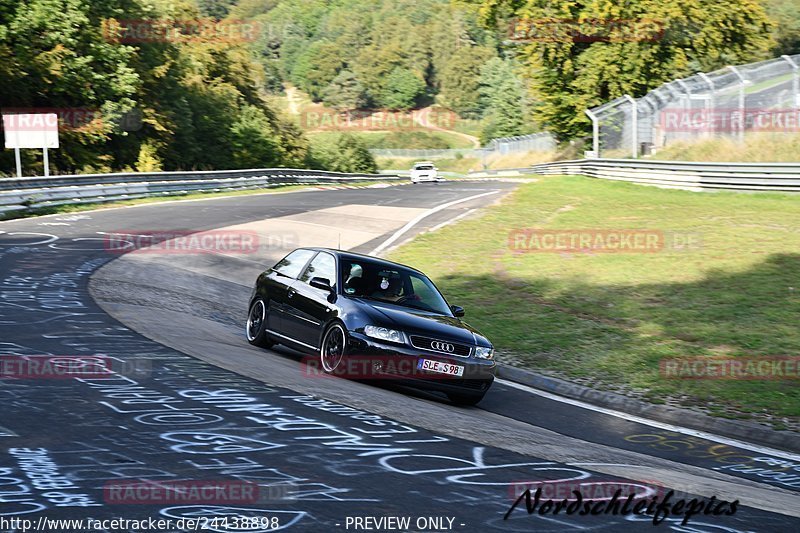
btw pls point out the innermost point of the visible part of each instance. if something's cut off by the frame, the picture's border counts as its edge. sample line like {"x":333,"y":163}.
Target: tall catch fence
{"x":731,"y":102}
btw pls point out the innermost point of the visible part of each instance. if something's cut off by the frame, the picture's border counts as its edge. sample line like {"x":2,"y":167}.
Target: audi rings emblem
{"x":442,"y":346}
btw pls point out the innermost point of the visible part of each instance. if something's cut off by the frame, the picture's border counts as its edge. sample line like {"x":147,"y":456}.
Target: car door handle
{"x":292,"y":292}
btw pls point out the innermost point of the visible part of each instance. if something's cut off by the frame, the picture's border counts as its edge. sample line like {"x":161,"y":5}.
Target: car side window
{"x":291,"y":265}
{"x":323,"y":266}
{"x":420,"y":289}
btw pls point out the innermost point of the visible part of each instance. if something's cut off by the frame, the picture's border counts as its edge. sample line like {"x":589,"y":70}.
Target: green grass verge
{"x":756,"y":148}
{"x":608,"y":319}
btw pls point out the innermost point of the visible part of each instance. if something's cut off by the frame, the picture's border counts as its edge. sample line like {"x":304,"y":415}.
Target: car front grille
{"x":440,"y":346}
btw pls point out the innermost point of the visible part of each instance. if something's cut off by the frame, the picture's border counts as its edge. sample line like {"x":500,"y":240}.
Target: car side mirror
{"x":323,"y":284}
{"x":457,"y":310}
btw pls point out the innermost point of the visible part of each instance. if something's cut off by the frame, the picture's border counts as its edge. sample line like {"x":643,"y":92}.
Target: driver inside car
{"x":390,"y":287}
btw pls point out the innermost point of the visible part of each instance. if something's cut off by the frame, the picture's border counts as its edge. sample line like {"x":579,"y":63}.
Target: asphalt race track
{"x":188,"y":400}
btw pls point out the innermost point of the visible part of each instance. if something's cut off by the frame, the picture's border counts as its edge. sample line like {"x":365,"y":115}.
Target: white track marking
{"x":452,"y":221}
{"x":652,"y":423}
{"x":397,"y":234}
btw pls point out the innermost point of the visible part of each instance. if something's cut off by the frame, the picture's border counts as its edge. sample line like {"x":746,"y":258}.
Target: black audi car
{"x":362,"y":317}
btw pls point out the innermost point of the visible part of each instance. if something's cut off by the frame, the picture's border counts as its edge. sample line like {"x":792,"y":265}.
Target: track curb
{"x":750,"y":432}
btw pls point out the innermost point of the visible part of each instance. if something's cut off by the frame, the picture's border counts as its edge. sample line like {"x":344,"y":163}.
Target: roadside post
{"x":634,"y":126}
{"x":30,"y":130}
{"x":595,"y":132}
{"x":795,"y":80}
{"x":742,"y":101}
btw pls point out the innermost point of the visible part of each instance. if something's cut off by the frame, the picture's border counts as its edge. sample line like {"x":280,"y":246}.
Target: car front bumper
{"x":369,"y":358}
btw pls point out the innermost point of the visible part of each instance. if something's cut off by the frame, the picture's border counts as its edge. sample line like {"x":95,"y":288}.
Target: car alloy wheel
{"x":333,"y":348}
{"x":256,"y":325}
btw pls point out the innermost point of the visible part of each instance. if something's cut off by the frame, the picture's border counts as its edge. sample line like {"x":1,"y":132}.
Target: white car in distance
{"x":424,"y":171}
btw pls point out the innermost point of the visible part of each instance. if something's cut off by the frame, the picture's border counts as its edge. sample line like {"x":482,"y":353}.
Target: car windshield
{"x":424,"y":167}
{"x":391,"y":284}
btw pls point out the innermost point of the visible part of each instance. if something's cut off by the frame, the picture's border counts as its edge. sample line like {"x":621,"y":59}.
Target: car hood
{"x":418,"y":322}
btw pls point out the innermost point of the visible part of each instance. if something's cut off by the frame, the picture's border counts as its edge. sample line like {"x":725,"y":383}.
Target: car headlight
{"x":384,"y":334}
{"x":484,"y":353}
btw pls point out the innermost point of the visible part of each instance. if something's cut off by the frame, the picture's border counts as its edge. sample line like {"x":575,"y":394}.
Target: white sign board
{"x":23,"y":130}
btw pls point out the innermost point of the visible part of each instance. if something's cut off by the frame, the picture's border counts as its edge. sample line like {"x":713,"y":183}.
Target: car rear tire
{"x":465,"y":399}
{"x":333,"y":348}
{"x":256,"y":328}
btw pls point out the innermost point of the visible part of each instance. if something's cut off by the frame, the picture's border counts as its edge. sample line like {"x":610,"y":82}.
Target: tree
{"x":507,"y":111}
{"x":344,"y":153}
{"x":459,"y":81}
{"x":215,"y":8}
{"x":345,"y":92}
{"x":253,"y":140}
{"x":503,"y":100}
{"x":353,"y":155}
{"x":403,"y":87}
{"x":53,"y":55}
{"x":200,"y":99}
{"x":662,"y":41}
{"x":317,"y":66}
{"x":441,"y":43}
{"x":785,"y":15}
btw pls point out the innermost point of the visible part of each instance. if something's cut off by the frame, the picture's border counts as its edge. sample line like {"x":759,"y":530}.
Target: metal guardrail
{"x":500,"y":172}
{"x":784,"y":177}
{"x":21,"y":194}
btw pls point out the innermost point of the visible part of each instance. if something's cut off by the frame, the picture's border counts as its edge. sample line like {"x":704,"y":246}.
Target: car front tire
{"x":333,"y":348}
{"x":256,"y":328}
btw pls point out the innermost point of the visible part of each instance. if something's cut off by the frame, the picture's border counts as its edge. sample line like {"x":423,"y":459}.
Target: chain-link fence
{"x":543,"y":142}
{"x":756,"y":98}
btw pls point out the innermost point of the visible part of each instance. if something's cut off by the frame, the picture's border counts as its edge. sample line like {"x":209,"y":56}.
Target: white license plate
{"x":440,"y":368}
